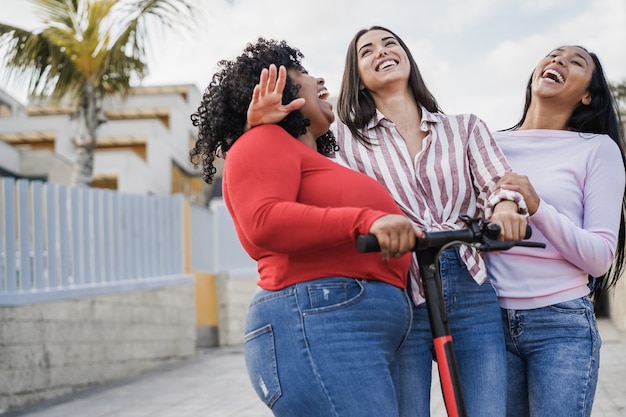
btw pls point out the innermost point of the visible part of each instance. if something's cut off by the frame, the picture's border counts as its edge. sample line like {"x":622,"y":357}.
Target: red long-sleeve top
{"x":298,"y":214}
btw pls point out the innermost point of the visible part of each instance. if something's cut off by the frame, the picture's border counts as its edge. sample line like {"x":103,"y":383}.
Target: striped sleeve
{"x":488,"y":165}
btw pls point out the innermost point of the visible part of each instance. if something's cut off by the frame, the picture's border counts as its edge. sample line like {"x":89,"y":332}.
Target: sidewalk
{"x":214,"y":384}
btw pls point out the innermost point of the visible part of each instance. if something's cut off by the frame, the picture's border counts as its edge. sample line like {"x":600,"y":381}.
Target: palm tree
{"x":87,"y":50}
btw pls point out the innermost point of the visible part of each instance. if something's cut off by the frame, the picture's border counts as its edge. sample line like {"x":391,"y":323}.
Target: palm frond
{"x":125,"y":61}
{"x":31,"y":59}
{"x":99,"y":21}
{"x":60,"y":13}
{"x":173,"y":14}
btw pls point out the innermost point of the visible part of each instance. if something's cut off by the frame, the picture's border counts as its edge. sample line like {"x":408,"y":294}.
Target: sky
{"x":475,"y":55}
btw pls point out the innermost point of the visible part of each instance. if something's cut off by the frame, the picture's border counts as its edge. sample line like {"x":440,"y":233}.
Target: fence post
{"x":10,"y":267}
{"x":207,"y":320}
{"x":37,"y":217}
{"x":23,"y":220}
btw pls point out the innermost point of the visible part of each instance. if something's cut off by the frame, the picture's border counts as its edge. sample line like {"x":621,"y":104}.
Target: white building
{"x":142,"y":148}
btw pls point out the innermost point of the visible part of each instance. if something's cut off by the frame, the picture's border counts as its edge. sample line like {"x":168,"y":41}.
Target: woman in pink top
{"x":568,"y":154}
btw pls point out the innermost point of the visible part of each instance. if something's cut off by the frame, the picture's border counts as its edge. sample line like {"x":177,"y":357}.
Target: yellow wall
{"x":206,"y":300}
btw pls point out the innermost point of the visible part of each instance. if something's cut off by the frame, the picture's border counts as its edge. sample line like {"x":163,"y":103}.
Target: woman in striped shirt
{"x":437,"y":167}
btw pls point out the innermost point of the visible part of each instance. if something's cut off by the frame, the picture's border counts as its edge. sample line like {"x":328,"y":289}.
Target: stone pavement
{"x":214,"y":384}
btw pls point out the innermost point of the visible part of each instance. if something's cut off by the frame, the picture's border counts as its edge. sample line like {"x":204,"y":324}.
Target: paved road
{"x":214,"y":384}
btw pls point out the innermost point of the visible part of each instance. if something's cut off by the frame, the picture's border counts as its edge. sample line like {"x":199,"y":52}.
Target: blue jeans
{"x":476,"y":327}
{"x":553,"y":358}
{"x":327,"y":347}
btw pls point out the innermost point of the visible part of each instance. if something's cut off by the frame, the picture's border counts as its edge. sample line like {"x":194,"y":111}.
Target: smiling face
{"x":316,"y":107}
{"x":564,"y":74}
{"x":381,"y":60}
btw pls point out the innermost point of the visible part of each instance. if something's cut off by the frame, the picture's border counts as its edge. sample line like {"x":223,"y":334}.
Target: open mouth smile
{"x":388,"y":63}
{"x":323,"y":94}
{"x":553,"y":75}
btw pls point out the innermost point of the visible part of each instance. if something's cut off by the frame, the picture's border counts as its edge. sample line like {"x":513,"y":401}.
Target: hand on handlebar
{"x":396,"y":235}
{"x":512,"y":224}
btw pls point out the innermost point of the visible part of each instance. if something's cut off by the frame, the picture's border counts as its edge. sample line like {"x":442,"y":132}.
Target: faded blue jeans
{"x":553,"y":359}
{"x":327,"y":347}
{"x":476,"y":327}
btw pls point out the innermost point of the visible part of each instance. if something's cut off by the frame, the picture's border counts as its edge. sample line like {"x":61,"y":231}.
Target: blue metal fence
{"x":59,"y":242}
{"x":214,"y":244}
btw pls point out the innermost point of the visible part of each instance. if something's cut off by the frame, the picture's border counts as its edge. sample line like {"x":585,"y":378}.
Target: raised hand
{"x":266,"y":105}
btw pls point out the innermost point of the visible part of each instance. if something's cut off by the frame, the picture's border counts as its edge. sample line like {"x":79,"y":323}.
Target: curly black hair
{"x":222,"y":114}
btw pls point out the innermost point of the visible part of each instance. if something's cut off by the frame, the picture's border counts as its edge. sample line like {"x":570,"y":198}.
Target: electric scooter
{"x":479,"y":234}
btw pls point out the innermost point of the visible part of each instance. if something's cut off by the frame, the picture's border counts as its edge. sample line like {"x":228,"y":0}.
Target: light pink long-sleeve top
{"x":580,"y":180}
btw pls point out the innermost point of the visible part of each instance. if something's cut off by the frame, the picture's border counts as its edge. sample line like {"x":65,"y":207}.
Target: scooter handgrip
{"x":367,"y":243}
{"x":494,"y":231}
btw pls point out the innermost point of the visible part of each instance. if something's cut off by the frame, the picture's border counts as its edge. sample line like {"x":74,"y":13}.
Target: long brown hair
{"x":355,"y":105}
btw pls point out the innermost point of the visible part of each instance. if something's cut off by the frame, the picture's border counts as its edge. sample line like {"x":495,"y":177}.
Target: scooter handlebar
{"x":486,"y":238}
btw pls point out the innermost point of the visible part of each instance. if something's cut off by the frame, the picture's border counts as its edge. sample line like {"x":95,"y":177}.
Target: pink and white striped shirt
{"x":455,"y":173}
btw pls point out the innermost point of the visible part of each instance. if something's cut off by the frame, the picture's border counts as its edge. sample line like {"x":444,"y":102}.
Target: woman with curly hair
{"x":324,"y":329}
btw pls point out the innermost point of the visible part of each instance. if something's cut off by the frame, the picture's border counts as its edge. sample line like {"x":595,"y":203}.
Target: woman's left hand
{"x":266,"y":105}
{"x":521,"y":184}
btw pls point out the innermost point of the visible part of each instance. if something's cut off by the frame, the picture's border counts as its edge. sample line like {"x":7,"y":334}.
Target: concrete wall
{"x":45,"y":163}
{"x":9,"y":158}
{"x":234,"y":289}
{"x":56,"y":348}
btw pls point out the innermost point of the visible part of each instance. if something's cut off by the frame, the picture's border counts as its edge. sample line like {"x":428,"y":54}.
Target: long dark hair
{"x":221,"y":117}
{"x":600,"y":116}
{"x":355,"y":106}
